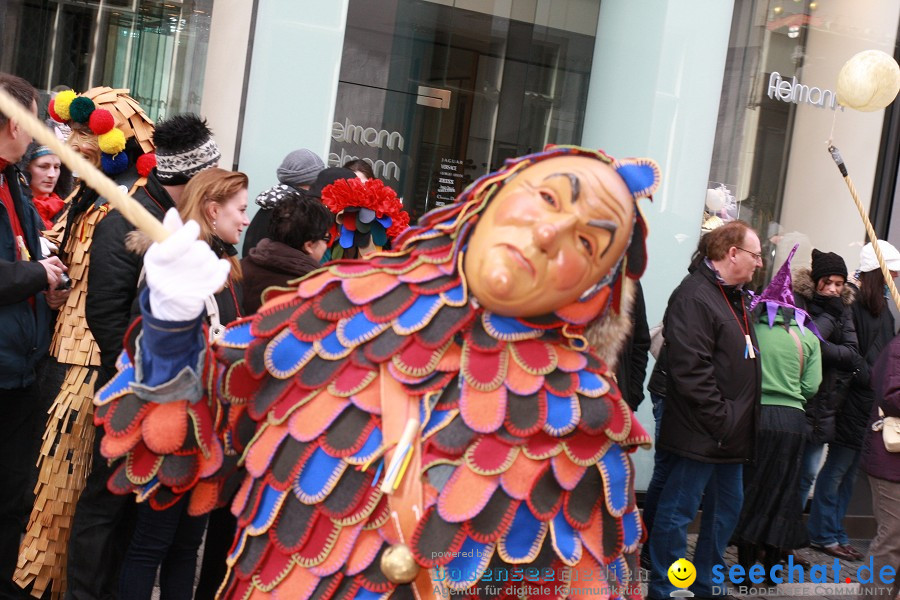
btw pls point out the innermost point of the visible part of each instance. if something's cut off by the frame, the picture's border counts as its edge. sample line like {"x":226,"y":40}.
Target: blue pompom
{"x":113,"y":164}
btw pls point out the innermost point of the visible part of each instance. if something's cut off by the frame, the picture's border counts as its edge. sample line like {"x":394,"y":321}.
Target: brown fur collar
{"x":137,"y":242}
{"x":607,"y":335}
{"x":804,"y":286}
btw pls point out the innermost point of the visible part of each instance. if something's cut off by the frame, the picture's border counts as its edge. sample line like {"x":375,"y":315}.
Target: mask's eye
{"x":548,"y":198}
{"x":586,"y":244}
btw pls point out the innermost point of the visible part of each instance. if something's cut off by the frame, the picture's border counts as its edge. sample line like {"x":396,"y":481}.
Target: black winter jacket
{"x":112,"y":288}
{"x":840,"y":353}
{"x":874,"y":334}
{"x":24,"y":331}
{"x":631,"y":369}
{"x":713,"y":392}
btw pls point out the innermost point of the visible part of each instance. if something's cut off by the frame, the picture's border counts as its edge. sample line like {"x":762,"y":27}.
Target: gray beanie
{"x":300,"y":168}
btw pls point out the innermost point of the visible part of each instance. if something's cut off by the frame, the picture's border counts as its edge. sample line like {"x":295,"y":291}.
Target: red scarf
{"x":6,"y":197}
{"x":48,"y":207}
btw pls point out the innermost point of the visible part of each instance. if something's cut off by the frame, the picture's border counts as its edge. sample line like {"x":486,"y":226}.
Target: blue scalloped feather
{"x":370,"y":447}
{"x":287,"y":352}
{"x":631,"y":525}
{"x":317,"y":473}
{"x":414,"y":316}
{"x":522,"y":534}
{"x":438,"y":418}
{"x":564,"y":536}
{"x":238,"y":335}
{"x":346,"y":237}
{"x":615,"y":473}
{"x":591,"y":384}
{"x":332,"y":345}
{"x":265,"y":512}
{"x":359,"y":328}
{"x":507,"y":325}
{"x":364,"y":594}
{"x":561,"y":414}
{"x":469,"y":562}
{"x":455,"y":294}
{"x":121,"y":382}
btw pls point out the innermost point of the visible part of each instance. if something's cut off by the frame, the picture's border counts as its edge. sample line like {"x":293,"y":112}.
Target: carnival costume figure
{"x":104,"y":122}
{"x":426,"y":421}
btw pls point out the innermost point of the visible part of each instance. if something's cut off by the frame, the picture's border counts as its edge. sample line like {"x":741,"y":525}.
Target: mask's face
{"x":83,"y":141}
{"x":549,"y":235}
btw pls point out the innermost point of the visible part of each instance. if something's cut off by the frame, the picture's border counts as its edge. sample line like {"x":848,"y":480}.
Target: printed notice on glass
{"x":449,"y":180}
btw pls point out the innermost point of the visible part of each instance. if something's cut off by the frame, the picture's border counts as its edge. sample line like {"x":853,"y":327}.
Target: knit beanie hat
{"x":299,"y":168}
{"x":184,"y":147}
{"x":827,"y":263}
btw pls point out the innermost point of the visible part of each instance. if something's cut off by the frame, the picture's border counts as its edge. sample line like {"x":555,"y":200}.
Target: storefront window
{"x":436,"y":93}
{"x":770,"y":165}
{"x":155,"y":48}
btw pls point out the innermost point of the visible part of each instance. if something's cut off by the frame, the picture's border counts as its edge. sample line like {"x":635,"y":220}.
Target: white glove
{"x":182,"y":271}
{"x":48,"y":248}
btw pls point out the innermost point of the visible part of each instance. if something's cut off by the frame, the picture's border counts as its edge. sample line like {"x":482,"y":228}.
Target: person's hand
{"x":182,"y":271}
{"x":55,"y":268}
{"x":57,"y":298}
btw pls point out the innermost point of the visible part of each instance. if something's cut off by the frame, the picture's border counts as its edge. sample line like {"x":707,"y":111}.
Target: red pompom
{"x":101,"y":121}
{"x":52,"y":111}
{"x":145,"y":163}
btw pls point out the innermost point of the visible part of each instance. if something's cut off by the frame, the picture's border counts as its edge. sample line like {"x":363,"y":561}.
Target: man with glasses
{"x":713,"y":393}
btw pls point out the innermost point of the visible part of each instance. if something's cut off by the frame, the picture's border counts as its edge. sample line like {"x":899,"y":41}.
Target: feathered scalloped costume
{"x":520,"y":458}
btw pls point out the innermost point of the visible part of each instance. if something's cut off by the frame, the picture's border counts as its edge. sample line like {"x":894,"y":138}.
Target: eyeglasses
{"x":327,"y":237}
{"x":758,"y":257}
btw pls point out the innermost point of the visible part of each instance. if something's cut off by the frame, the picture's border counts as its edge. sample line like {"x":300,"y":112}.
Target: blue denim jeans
{"x":812,"y":458}
{"x":660,"y":474}
{"x":834,"y":487}
{"x":720,"y":487}
{"x":167,"y":540}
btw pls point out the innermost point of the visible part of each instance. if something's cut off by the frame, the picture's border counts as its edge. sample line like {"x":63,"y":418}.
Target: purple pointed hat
{"x":779,"y":294}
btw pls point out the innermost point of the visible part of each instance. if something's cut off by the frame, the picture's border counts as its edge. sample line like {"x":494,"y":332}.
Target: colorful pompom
{"x":101,"y":121}
{"x":62,"y":102}
{"x":145,"y":163}
{"x":51,"y":110}
{"x":112,"y":142}
{"x":81,"y":108}
{"x":113,"y":164}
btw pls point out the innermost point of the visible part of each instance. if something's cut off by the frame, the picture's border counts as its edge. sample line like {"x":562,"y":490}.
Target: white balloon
{"x":715,"y":200}
{"x":868,"y":81}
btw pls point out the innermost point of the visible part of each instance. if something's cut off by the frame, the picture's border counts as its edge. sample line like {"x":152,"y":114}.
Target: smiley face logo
{"x":682,"y":573}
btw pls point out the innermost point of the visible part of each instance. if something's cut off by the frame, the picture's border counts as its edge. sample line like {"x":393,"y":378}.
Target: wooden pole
{"x":836,"y":155}
{"x":91,"y":175}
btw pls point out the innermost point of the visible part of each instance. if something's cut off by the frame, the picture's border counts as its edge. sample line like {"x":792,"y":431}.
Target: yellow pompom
{"x":112,"y":142}
{"x":62,"y":102}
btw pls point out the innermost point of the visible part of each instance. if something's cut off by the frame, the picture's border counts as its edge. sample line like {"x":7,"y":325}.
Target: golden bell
{"x":398,"y":564}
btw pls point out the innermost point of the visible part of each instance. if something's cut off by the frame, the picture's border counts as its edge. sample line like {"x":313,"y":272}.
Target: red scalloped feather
{"x":363,"y":290}
{"x":261,"y":452}
{"x":339,"y":553}
{"x":318,"y":539}
{"x":203,"y":498}
{"x":519,"y":478}
{"x":363,"y":552}
{"x":521,"y":382}
{"x":620,"y":419}
{"x":142,"y":464}
{"x":240,"y":383}
{"x":542,"y":446}
{"x":165,"y":427}
{"x":465,"y":494}
{"x":312,"y":419}
{"x":483,"y":412}
{"x":203,"y":425}
{"x":350,"y":378}
{"x":273,"y":569}
{"x":489,"y":455}
{"x":585,"y":449}
{"x":534,"y":356}
{"x":115,"y":447}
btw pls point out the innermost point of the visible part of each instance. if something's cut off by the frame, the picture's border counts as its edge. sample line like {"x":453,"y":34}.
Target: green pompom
{"x":81,"y":109}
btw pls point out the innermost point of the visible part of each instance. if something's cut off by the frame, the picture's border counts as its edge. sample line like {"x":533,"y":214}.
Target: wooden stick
{"x":836,"y":155}
{"x":91,"y":175}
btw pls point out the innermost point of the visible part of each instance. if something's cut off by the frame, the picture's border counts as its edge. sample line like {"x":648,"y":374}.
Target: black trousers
{"x":101,"y":530}
{"x":20,"y":413}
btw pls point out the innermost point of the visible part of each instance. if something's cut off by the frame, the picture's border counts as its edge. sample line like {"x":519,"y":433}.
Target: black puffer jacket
{"x":874,"y":334}
{"x":112,"y":288}
{"x":840,"y":353}
{"x":713,"y":392}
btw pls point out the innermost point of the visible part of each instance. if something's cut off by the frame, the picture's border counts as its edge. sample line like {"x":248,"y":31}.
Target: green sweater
{"x":783,"y":383}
